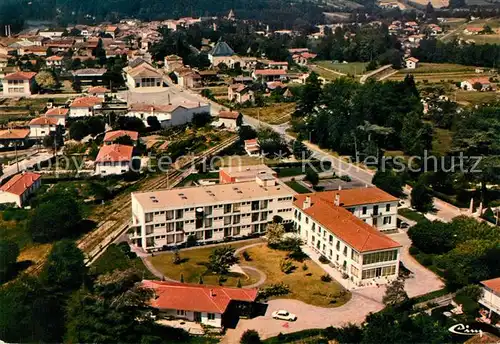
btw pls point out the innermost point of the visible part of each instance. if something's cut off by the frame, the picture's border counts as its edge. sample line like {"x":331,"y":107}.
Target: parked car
{"x":404,"y":225}
{"x":284,"y":315}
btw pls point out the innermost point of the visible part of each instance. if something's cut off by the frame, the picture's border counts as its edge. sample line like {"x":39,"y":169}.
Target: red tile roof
{"x":412,"y":59}
{"x":270,"y":72}
{"x":481,"y":80}
{"x":114,"y":153}
{"x":493,"y":284}
{"x":55,"y":58}
{"x":14,"y":134}
{"x":197,"y":297}
{"x":86,"y":102}
{"x":359,"y":196}
{"x":20,"y":76}
{"x":97,"y":89}
{"x":229,"y":114}
{"x":43,"y":121}
{"x":57,"y":112}
{"x":18,"y":184}
{"x":113,"y":135}
{"x":356,"y":233}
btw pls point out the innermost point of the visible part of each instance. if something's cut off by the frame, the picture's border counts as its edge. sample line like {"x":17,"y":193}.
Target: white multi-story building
{"x":169,"y":114}
{"x":491,"y":295}
{"x":372,"y":205}
{"x":42,"y":126}
{"x":19,"y":84}
{"x":85,"y":106}
{"x":210,"y":213}
{"x":357,"y":249}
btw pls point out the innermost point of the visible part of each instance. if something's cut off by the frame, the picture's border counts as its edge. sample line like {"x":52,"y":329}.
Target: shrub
{"x":250,"y":337}
{"x":304,"y":267}
{"x":277,"y":289}
{"x":286,"y":266}
{"x":345,"y":178}
{"x":323,"y":259}
{"x":326,"y":278}
{"x":246,"y":256}
{"x":413,"y":250}
{"x":288,"y":244}
{"x":297,"y":255}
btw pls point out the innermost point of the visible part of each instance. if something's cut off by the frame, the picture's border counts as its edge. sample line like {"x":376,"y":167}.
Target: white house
{"x":491,"y":295}
{"x":19,"y":84}
{"x":42,"y":126}
{"x":19,"y":188}
{"x":205,"y":304}
{"x":170,"y":114}
{"x":365,"y":255}
{"x":140,"y":74}
{"x":98,"y":91}
{"x":411,"y":63}
{"x":252,"y":147}
{"x":51,"y":33}
{"x":229,"y":119}
{"x":60,"y":114}
{"x":484,"y":82}
{"x":54,"y":61}
{"x":113,"y":159}
{"x":85,"y":106}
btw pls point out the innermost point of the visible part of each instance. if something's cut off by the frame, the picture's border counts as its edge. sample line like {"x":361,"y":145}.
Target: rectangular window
{"x":227,"y":220}
{"x":354,"y":271}
{"x":263,"y":216}
{"x":208,"y":222}
{"x":255,"y":205}
{"x":208,"y":234}
{"x":387,"y":220}
{"x":364,"y":210}
{"x":227,"y":208}
{"x":264,"y":204}
{"x":236,"y":207}
{"x":355,"y":256}
{"x":378,"y":257}
{"x":387,"y":207}
{"x":179,"y":213}
{"x":236,"y":219}
{"x":330,"y":239}
{"x":255,"y":217}
{"x":236,"y":230}
{"x":208,"y":210}
{"x":211,"y":316}
{"x":375,"y":210}
{"x":179,"y":225}
{"x":181,"y":312}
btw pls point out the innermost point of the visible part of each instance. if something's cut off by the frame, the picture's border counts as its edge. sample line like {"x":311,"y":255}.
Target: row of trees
{"x":362,"y":119}
{"x":465,"y":250}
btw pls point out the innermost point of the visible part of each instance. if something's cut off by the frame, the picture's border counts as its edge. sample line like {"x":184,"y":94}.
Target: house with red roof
{"x":113,"y":159}
{"x":269,"y":74}
{"x":478,"y":84}
{"x":19,"y":188}
{"x":111,"y":136}
{"x":60,"y":114}
{"x":201,"y":303}
{"x":85,"y":106}
{"x":411,"y":63}
{"x":229,"y":119}
{"x":42,"y":126}
{"x":491,"y":296}
{"x":326,"y":223}
{"x":19,"y":84}
{"x":240,"y":93}
{"x":98,"y":91}
{"x":54,"y":61}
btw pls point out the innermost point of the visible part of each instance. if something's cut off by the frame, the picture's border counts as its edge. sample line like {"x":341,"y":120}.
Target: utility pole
{"x":17,"y":161}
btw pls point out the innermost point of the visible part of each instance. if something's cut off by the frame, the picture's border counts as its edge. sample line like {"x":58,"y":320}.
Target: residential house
{"x":229,"y":119}
{"x":472,"y":30}
{"x":241,"y":173}
{"x":275,"y":64}
{"x":111,"y":30}
{"x":111,"y":136}
{"x":169,"y":114}
{"x":303,"y":58}
{"x":491,"y":296}
{"x":211,"y":213}
{"x":172,"y":62}
{"x":98,"y":91}
{"x":240,"y":93}
{"x":113,"y":159}
{"x":221,"y":53}
{"x":19,"y":84}
{"x":90,"y":76}
{"x":85,"y":106}
{"x":477,"y":84}
{"x":186,"y":77}
{"x":19,"y":188}
{"x":51,"y":33}
{"x":361,"y":252}
{"x":141,"y":74}
{"x":269,"y":74}
{"x":54,"y":61}
{"x":205,"y":304}
{"x":411,"y":63}
{"x":14,"y":137}
{"x":252,"y":147}
{"x":4,"y":61}
{"x":60,"y":114}
{"x":42,"y":126}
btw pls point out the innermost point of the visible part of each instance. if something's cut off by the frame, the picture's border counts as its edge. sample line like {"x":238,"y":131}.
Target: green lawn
{"x":351,"y":68}
{"x":476,"y":98}
{"x":193,"y":266}
{"x":296,"y":186}
{"x":441,"y":141}
{"x":115,"y":259}
{"x":411,"y":215}
{"x":278,"y":113}
{"x":305,"y":285}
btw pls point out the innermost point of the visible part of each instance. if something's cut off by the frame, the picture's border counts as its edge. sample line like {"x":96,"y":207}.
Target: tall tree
{"x":9,"y":251}
{"x":222,"y":258}
{"x":64,"y":268}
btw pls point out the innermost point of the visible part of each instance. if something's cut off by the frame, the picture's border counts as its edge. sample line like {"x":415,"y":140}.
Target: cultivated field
{"x":352,"y":68}
{"x":438,"y":73}
{"x":273,"y":114}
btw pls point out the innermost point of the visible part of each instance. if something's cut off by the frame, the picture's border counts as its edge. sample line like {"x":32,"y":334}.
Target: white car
{"x":284,"y":315}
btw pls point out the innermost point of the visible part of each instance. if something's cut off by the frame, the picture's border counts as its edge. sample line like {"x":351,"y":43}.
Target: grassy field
{"x":193,"y":266}
{"x":437,"y":73}
{"x":297,"y":187}
{"x":352,"y":68}
{"x":475,"y":98}
{"x":273,"y":114}
{"x":441,"y":141}
{"x":305,"y":286}
{"x":326,"y":74}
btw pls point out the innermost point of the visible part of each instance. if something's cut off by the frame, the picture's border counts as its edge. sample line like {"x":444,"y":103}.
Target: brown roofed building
{"x":229,"y":119}
{"x":19,"y":84}
{"x":240,"y":93}
{"x":114,"y":159}
{"x":42,"y":126}
{"x":491,"y":296}
{"x":58,"y":113}
{"x":19,"y":188}
{"x":85,"y":106}
{"x":111,"y":136}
